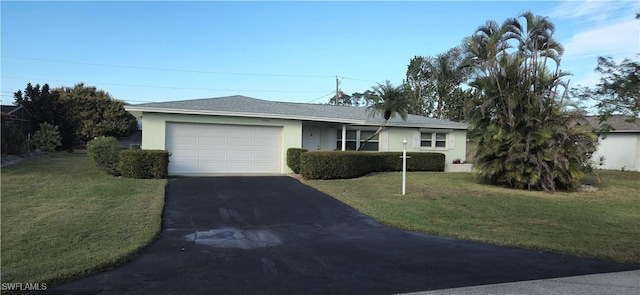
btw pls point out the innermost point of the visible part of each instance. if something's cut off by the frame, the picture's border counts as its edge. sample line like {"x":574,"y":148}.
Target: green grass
{"x":603,"y":224}
{"x":63,"y":219}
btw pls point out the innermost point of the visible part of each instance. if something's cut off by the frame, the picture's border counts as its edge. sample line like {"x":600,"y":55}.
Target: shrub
{"x":47,"y":138}
{"x":16,"y":142}
{"x":331,"y":165}
{"x":293,"y":158}
{"x":392,"y":161}
{"x":144,"y":163}
{"x":105,"y":152}
{"x":336,"y":165}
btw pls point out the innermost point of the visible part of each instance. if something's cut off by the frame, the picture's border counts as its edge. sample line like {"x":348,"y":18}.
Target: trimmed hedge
{"x":417,"y":162}
{"x":293,"y":158}
{"x":339,"y":165}
{"x":144,"y":163}
{"x":105,"y":152}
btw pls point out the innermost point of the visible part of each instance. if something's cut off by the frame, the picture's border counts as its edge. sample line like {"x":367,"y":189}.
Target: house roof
{"x":242,"y":106}
{"x":617,"y":122}
{"x":10,"y":108}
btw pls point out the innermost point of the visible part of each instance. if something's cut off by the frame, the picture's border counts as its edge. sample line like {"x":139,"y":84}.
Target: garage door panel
{"x":187,"y":140}
{"x":265,"y":167}
{"x":246,"y":155}
{"x":186,"y":154}
{"x":266,"y":133}
{"x":240,"y":142}
{"x":215,"y":148}
{"x":211,"y":167}
{"x":204,"y":130}
{"x":240,"y":167}
{"x":212,"y":141}
{"x":269,"y":142}
{"x":240,"y":131}
{"x":259,"y":155}
{"x":182,"y":129}
{"x":211,"y":154}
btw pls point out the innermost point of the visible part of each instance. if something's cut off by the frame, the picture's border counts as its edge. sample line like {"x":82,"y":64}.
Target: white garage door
{"x":213,"y":148}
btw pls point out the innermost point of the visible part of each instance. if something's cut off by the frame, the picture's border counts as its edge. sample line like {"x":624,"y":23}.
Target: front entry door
{"x":311,"y":138}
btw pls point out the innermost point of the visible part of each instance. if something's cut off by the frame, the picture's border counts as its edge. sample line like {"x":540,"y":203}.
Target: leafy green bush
{"x":293,"y":158}
{"x":331,"y":165}
{"x":47,"y":138}
{"x":144,"y":163}
{"x":338,"y":164}
{"x":105,"y":152}
{"x":16,"y":142}
{"x":392,"y":161}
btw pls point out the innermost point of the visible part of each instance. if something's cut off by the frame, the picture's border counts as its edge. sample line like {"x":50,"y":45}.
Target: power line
{"x":169,"y":87}
{"x":165,"y":69}
{"x":320,"y":97}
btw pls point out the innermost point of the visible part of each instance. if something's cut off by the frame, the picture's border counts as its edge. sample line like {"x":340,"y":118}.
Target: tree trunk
{"x":374,"y":135}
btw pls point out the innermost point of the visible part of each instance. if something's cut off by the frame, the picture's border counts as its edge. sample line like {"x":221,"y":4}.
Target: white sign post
{"x":404,"y":166}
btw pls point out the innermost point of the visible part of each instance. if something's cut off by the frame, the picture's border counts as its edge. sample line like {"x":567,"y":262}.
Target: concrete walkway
{"x":618,"y":283}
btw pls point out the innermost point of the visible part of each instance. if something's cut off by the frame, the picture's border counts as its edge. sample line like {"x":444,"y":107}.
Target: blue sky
{"x":285,"y":51}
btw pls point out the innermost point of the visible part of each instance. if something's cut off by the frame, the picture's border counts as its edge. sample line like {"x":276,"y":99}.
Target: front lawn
{"x":63,"y":219}
{"x":603,"y":224}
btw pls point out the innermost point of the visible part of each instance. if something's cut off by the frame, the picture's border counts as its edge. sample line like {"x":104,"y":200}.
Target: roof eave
{"x":139,"y":110}
{"x":241,"y":114}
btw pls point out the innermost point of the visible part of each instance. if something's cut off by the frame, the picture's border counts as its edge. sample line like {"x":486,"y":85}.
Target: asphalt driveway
{"x":273,"y":235}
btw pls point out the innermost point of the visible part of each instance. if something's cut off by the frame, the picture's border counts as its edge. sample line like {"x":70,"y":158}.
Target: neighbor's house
{"x":18,"y":116}
{"x":238,"y":134}
{"x":621,"y":147}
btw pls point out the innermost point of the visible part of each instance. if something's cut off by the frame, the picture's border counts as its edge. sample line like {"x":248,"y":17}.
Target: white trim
{"x":344,"y":137}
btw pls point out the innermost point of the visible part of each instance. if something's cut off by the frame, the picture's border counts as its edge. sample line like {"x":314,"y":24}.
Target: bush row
{"x":144,"y":163}
{"x":106,"y":153}
{"x":293,"y":158}
{"x":338,"y":164}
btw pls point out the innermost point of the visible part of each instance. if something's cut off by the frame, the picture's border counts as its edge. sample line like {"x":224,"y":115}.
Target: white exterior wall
{"x":620,"y":150}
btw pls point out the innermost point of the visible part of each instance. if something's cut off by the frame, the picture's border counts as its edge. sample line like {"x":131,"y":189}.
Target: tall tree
{"x":386,"y":100}
{"x":46,"y":107}
{"x":418,"y":86}
{"x":347,"y":100}
{"x":618,"y":91}
{"x":434,"y":84}
{"x":525,"y":135}
{"x":97,"y":113}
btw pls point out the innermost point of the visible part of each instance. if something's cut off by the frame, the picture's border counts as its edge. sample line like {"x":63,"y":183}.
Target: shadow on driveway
{"x":274,"y":235}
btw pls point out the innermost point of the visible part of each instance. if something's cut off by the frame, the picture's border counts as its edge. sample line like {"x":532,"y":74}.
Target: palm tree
{"x":525,"y":136}
{"x":389,"y":101}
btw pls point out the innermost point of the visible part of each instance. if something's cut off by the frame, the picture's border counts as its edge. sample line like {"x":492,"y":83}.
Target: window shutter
{"x":452,"y":140}
{"x":416,"y":140}
{"x":383,"y":144}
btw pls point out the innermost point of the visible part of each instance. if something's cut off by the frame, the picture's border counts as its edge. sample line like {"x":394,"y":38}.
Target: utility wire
{"x":179,"y":70}
{"x":168,"y":87}
{"x":164,"y":69}
{"x":332,"y":92}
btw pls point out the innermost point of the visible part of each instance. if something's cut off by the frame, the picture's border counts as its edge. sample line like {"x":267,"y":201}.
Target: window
{"x":355,"y":138}
{"x":433,"y":140}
